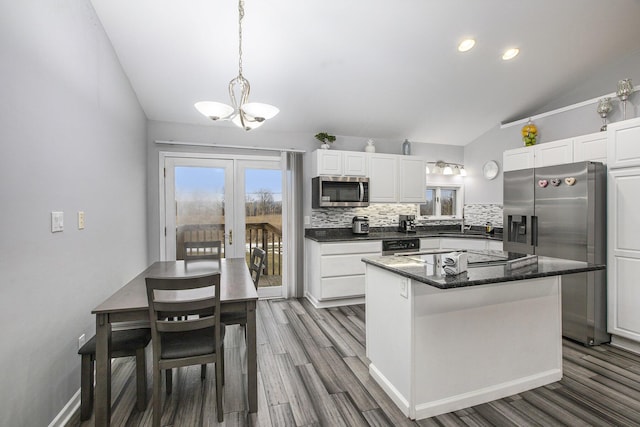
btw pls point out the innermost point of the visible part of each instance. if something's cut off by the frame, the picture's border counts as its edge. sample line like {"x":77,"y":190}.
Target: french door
{"x":238,"y":201}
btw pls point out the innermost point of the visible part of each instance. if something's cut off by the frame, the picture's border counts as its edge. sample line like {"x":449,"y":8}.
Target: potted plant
{"x":326,"y":139}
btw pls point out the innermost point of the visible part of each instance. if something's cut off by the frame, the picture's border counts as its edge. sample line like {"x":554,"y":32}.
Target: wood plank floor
{"x":313,"y":372}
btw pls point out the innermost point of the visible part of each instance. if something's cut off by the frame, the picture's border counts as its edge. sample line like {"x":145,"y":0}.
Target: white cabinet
{"x":383,"y":178}
{"x":333,"y":162}
{"x":397,"y":179}
{"x":430,"y":243}
{"x":460,"y":243}
{"x":623,"y":257}
{"x":517,"y":159}
{"x":623,"y":144}
{"x":413,"y":178}
{"x":335,"y":272}
{"x":592,"y":147}
{"x":553,"y":153}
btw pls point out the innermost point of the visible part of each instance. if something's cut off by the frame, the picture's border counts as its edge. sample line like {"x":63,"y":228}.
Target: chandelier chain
{"x":240,"y":17}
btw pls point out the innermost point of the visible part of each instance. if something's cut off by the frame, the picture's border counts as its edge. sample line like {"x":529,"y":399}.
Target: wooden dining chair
{"x":202,"y":250}
{"x":124,"y":343}
{"x":256,"y":264}
{"x":185,"y":330}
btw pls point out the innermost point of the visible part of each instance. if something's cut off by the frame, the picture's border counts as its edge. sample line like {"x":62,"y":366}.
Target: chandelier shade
{"x":244,"y":114}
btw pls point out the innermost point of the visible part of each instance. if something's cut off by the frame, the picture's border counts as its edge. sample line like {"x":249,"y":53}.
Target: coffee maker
{"x":407,"y":224}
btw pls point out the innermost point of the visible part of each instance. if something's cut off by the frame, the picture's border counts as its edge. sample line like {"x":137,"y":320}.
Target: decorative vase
{"x":529,"y":134}
{"x":604,"y":108}
{"x":325,"y":146}
{"x":370,"y":148}
{"x":406,"y":147}
{"x":625,"y":89}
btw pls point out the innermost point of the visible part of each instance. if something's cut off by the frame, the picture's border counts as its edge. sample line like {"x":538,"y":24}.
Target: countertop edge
{"x":467,"y":283}
{"x":364,"y":238}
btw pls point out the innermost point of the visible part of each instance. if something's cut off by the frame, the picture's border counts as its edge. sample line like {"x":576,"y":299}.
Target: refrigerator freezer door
{"x":518,"y":211}
{"x":561,"y":208}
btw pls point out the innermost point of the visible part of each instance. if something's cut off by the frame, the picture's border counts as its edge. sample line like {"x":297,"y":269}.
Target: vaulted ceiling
{"x":369,"y":68}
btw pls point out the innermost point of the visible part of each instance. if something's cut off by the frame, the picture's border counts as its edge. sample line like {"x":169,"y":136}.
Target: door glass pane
{"x":447,"y":201}
{"x":200,"y":205}
{"x":263,"y":214}
{"x":428,"y":209}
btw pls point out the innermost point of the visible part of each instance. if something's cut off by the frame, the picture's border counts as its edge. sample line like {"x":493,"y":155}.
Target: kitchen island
{"x":439,"y":344}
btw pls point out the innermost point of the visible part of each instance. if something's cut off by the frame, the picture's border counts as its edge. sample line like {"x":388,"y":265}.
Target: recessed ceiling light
{"x":466,"y":45}
{"x":510,"y":53}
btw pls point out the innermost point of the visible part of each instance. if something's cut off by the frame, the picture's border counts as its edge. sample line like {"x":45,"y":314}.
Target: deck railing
{"x":262,"y":235}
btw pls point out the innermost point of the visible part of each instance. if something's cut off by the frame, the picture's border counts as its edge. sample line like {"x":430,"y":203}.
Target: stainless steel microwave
{"x":339,"y":191}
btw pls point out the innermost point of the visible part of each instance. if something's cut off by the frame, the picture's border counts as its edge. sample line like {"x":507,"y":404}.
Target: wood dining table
{"x":129,"y":304}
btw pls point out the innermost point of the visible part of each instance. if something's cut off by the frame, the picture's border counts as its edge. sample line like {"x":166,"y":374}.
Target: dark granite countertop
{"x":484,"y":267}
{"x":381,"y":233}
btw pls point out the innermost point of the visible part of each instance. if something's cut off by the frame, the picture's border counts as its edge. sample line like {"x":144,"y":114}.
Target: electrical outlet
{"x":81,"y":341}
{"x":404,"y":287}
{"x":80,"y":220}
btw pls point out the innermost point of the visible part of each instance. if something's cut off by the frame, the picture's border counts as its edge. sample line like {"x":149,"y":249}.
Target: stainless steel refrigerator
{"x":560,"y":211}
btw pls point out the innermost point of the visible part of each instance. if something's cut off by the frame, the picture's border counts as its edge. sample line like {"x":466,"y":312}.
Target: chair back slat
{"x":185,"y":325}
{"x":202,"y":250}
{"x":183,"y":308}
{"x":256,"y":264}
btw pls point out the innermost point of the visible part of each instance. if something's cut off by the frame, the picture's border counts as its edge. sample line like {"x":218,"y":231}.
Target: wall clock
{"x":490,"y":169}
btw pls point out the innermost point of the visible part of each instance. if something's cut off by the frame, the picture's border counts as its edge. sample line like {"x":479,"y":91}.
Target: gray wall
{"x":73,"y":138}
{"x":568,"y":124}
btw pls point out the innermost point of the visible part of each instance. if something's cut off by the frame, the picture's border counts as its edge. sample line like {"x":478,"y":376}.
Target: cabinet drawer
{"x":374,"y":246}
{"x":430,"y":243}
{"x":342,"y":265}
{"x":466,"y":243}
{"x":494,"y":245}
{"x":342,"y":287}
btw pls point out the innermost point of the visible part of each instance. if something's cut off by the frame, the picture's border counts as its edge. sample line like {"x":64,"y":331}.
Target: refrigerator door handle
{"x":534,"y":231}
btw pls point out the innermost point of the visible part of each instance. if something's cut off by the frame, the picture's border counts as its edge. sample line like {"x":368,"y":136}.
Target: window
{"x":442,"y":202}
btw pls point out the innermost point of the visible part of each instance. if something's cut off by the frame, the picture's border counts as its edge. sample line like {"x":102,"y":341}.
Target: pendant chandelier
{"x":244,"y":114}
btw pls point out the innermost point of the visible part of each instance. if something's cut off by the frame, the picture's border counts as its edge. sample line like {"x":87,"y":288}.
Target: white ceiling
{"x":368,"y":68}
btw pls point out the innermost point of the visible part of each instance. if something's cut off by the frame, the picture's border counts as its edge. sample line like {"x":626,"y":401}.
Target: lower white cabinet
{"x":623,"y":257}
{"x":335,"y":271}
{"x":470,"y":243}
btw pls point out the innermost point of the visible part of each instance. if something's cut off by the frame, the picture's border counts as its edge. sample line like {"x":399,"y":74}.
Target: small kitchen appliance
{"x":407,"y":224}
{"x":360,"y":225}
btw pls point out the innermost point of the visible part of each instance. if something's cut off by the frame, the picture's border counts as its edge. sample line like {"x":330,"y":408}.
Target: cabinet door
{"x":592,"y":147}
{"x":623,"y":145}
{"x":517,"y":159}
{"x":413,"y":181}
{"x":355,"y":164}
{"x":553,"y":153}
{"x":383,"y":178}
{"x":329,"y":162}
{"x":623,"y":259}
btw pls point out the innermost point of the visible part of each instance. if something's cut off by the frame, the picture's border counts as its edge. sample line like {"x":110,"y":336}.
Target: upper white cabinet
{"x":412,"y":180}
{"x":591,"y":147}
{"x":333,"y":162}
{"x":553,"y":153}
{"x":624,"y":144}
{"x":383,"y":178}
{"x":395,"y":178}
{"x":517,"y":159}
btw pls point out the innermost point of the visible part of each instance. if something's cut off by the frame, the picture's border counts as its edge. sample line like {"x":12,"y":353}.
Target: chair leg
{"x":141,"y":379}
{"x":86,"y":387}
{"x":219,"y":376}
{"x":169,"y":380}
{"x":222,"y":361}
{"x":203,"y":371}
{"x":157,"y":395}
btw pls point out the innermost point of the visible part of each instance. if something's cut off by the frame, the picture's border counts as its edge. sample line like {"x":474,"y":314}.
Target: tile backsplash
{"x":386,"y":215}
{"x":480,"y":214}
{"x":380,"y":215}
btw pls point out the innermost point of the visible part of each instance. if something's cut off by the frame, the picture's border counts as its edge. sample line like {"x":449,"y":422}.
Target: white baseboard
{"x":334,"y":302}
{"x":466,"y":400}
{"x":625,"y":344}
{"x":64,"y":416}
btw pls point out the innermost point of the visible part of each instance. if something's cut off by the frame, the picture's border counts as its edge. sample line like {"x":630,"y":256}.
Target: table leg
{"x":252,"y":357}
{"x":102,"y":398}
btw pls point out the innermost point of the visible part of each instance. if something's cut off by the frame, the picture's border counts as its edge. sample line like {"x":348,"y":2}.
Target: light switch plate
{"x":57,"y":222}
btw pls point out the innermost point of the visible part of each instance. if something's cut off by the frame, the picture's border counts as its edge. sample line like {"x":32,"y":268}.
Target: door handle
{"x":231,"y":237}
{"x":534,"y":230}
